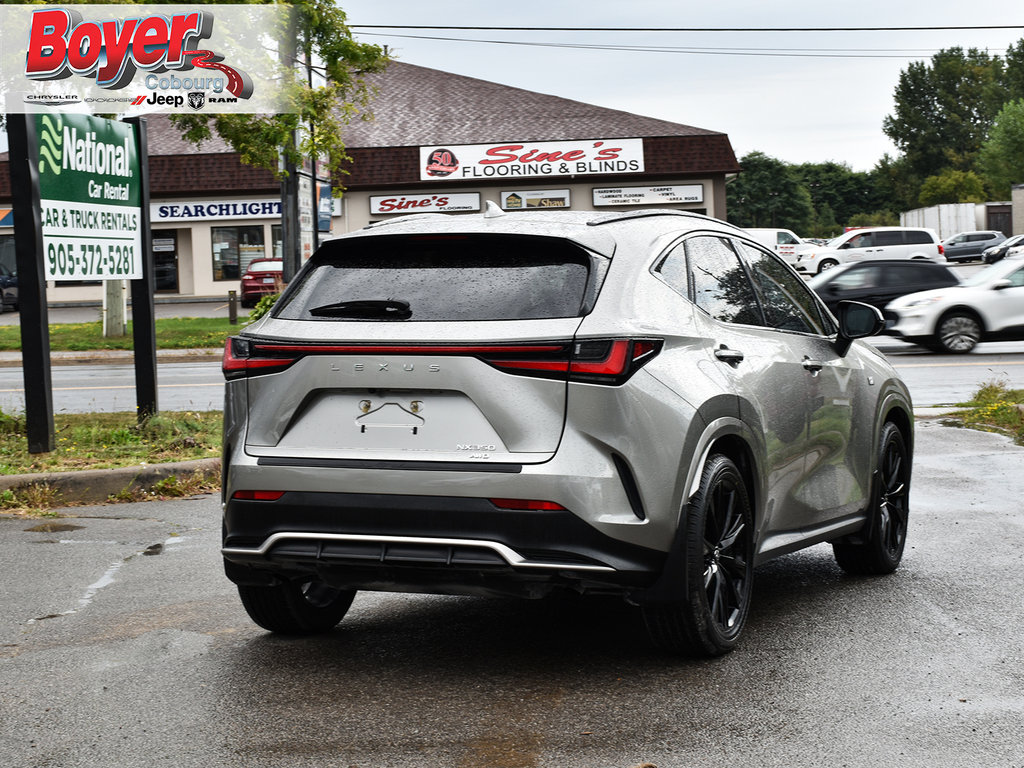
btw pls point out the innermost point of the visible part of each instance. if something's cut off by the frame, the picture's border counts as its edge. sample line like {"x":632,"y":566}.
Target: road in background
{"x":92,"y":314}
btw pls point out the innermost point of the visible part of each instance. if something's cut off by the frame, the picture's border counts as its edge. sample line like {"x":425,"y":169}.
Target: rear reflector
{"x":529,"y":504}
{"x":257,"y":495}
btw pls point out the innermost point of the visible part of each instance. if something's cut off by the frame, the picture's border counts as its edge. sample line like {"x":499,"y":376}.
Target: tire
{"x":878,"y":549}
{"x":719,"y":562}
{"x":296,"y":607}
{"x":958,"y":332}
{"x":826,"y":265}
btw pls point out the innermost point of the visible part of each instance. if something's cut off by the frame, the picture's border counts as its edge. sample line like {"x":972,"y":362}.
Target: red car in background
{"x":263,"y":276}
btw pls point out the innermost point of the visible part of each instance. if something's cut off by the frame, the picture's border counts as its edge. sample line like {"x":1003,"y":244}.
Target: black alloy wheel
{"x":719,"y":569}
{"x":879,"y":548}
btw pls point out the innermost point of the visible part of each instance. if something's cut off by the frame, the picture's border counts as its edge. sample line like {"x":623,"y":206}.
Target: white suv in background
{"x":784,"y":242}
{"x":873,"y":243}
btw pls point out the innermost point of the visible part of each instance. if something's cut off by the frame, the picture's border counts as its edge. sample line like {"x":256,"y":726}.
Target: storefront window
{"x":234,"y":248}
{"x":277,"y":241}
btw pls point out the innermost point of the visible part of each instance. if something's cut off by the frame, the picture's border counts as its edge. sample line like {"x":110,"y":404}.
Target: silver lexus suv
{"x":645,"y":404}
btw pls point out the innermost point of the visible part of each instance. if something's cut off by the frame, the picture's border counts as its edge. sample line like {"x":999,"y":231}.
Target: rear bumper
{"x":427,"y":544}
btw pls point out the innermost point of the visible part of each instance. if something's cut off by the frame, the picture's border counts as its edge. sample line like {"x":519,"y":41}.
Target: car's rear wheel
{"x":296,"y":607}
{"x":719,"y":546}
{"x":879,"y":547}
{"x":958,"y":332}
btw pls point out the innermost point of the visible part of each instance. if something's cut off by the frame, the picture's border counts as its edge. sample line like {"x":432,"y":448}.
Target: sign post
{"x":143,"y":288}
{"x":28,"y":244}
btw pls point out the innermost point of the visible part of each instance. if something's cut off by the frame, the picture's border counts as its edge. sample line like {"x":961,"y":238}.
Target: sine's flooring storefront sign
{"x":89,"y":189}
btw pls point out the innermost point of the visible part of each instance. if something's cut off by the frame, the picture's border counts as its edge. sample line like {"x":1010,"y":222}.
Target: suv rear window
{"x":458,"y":278}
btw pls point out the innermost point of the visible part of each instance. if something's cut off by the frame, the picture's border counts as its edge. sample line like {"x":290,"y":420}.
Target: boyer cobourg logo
{"x":112,"y":52}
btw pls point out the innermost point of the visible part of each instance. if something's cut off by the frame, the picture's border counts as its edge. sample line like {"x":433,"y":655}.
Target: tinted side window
{"x":918,"y":237}
{"x":788,"y":303}
{"x":720,"y":284}
{"x":672,"y":269}
{"x":911,"y":275}
{"x":889,"y":238}
{"x":443,"y":278}
{"x":862,"y":276}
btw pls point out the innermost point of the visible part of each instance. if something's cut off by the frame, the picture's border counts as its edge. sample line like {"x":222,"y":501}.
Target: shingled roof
{"x":418,"y":106}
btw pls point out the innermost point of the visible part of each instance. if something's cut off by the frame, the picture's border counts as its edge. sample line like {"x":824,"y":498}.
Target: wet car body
{"x":523,"y":403}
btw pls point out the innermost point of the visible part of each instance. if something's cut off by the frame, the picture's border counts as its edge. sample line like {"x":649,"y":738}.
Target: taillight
{"x":241,"y":359}
{"x":942,"y":250}
{"x":595,"y":361}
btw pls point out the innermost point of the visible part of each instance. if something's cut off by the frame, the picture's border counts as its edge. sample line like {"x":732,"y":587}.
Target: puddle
{"x":53,"y":528}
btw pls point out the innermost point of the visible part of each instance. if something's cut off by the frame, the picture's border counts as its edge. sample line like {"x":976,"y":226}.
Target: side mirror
{"x":1000,"y":285}
{"x":857,"y":320}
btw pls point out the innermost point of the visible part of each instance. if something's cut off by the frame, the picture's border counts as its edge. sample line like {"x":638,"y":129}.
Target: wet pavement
{"x":122,"y":644}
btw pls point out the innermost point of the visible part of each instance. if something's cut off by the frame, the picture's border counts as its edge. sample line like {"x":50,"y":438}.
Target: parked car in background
{"x":872,"y":243}
{"x":988,"y":306}
{"x":261,"y":277}
{"x":644,"y":404}
{"x":968,"y":246}
{"x":994,"y":253}
{"x":879,"y":282}
{"x":783,"y":242}
{"x":8,"y":289}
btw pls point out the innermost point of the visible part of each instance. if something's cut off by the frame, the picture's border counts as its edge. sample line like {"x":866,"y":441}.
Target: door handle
{"x":730,"y":356}
{"x":812,"y":365}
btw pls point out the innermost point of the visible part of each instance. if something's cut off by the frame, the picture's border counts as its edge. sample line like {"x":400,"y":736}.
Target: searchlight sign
{"x":135,"y":59}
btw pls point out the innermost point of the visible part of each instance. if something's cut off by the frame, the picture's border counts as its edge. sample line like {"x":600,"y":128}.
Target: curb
{"x":93,"y":486}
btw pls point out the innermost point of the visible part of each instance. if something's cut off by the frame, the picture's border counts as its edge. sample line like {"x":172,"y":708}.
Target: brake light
{"x":595,"y":361}
{"x":240,"y":359}
{"x":942,"y":250}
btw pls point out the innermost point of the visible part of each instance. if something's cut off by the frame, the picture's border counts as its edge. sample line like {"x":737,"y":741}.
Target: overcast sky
{"x":828,"y":106}
{"x":797,"y":96}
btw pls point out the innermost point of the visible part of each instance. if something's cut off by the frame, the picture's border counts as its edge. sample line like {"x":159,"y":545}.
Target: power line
{"x":828,"y":53}
{"x":687,"y":29}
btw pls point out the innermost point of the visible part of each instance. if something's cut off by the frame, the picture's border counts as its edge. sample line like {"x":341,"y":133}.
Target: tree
{"x":952,"y":186}
{"x":767,"y":194}
{"x":836,"y":188}
{"x":896,"y":185}
{"x":945,"y":109}
{"x":1002,"y":155}
{"x":322,"y":36}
